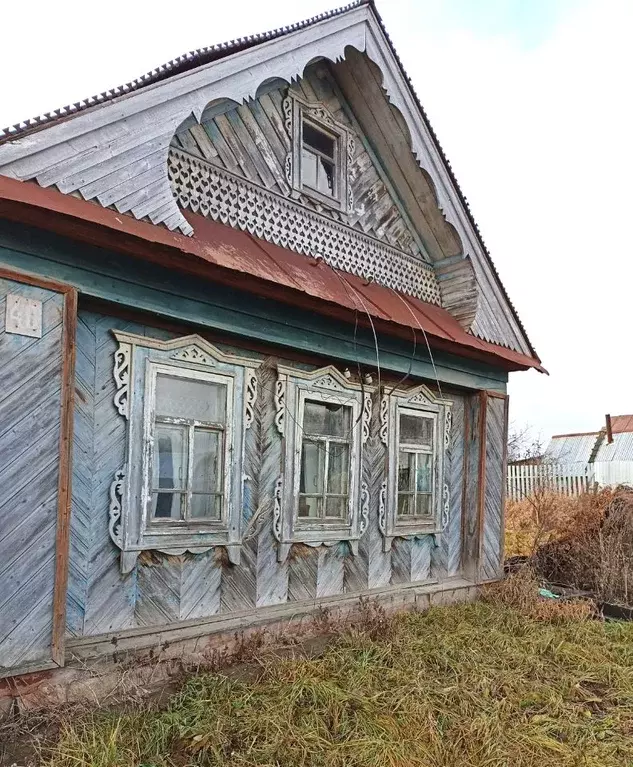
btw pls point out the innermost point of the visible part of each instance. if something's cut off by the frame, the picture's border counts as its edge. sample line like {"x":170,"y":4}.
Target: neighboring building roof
{"x":621,"y":449}
{"x":199,"y":58}
{"x":621,"y":423}
{"x":593,"y":445}
{"x":222,"y":253}
{"x":571,"y":448}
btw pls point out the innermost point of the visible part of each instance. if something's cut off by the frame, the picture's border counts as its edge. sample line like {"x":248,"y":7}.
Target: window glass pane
{"x":423,"y":474}
{"x":405,"y":504}
{"x":309,"y":165}
{"x":325,"y":177}
{"x":406,"y":470}
{"x":338,"y":468}
{"x":170,"y":457}
{"x":312,"y":467}
{"x":207,"y":461}
{"x":423,"y":505}
{"x":336,"y":507}
{"x":167,"y":505}
{"x":204,"y":506}
{"x":310,"y":506}
{"x":416,"y":430}
{"x":327,"y":419}
{"x":186,"y":398}
{"x":318,"y":140}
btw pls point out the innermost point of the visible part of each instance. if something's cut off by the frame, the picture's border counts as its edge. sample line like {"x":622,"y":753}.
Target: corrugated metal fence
{"x":566,"y":479}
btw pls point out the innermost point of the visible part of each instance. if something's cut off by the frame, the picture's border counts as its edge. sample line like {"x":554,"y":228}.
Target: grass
{"x":498,"y":682}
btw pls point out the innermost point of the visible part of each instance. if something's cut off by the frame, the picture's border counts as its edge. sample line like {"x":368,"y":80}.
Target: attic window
{"x":319,"y":153}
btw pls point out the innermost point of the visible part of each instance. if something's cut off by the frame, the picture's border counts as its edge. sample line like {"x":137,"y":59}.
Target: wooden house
{"x":253,"y":350}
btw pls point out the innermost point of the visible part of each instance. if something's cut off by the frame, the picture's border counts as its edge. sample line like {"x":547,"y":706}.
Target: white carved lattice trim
{"x":221,"y":196}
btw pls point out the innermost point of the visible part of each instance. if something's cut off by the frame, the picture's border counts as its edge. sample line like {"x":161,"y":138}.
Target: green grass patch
{"x":470,"y":685}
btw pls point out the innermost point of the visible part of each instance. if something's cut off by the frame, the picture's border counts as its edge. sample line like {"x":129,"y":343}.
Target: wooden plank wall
{"x":494,"y":494}
{"x":30,"y":421}
{"x":250,"y":140}
{"x":165,"y":589}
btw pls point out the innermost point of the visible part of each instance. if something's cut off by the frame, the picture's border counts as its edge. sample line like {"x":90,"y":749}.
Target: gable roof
{"x":21,"y":141}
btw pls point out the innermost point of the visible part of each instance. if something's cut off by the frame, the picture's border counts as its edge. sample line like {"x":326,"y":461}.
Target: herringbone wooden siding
{"x":30,"y":408}
{"x":492,"y":544}
{"x":165,"y":589}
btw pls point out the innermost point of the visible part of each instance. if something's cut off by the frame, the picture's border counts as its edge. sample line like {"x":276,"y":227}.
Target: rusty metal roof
{"x":621,"y":423}
{"x":202,"y":56}
{"x":226,"y":255}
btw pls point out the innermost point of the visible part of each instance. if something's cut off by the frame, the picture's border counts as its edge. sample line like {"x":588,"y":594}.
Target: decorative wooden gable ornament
{"x":116,"y":152}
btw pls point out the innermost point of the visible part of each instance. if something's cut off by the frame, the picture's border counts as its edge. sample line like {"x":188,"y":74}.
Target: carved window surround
{"x":326,"y":385}
{"x":296,"y":109}
{"x":136,"y":362}
{"x":222,"y":196}
{"x":421,"y":400}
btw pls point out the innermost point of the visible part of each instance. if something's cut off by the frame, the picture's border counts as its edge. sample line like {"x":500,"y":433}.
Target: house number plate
{"x":24,"y":316}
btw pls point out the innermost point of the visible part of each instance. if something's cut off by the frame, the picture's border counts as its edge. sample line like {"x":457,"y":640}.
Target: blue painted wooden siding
{"x":166,"y":589}
{"x":30,"y":409}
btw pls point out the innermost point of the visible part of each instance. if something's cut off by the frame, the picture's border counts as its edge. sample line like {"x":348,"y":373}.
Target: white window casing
{"x":297,"y":113}
{"x":138,"y":361}
{"x":327,"y":386}
{"x":419,"y":402}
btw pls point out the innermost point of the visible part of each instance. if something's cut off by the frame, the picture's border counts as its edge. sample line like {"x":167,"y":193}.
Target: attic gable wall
{"x":116,"y":154}
{"x":250,"y":140}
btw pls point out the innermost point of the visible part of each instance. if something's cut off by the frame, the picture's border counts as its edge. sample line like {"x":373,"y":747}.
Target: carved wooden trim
{"x":218,"y":194}
{"x":279,"y":485}
{"x":121,"y":372}
{"x":364,"y":509}
{"x":115,"y":510}
{"x":367,"y":407}
{"x":194,"y":354}
{"x":280,"y":404}
{"x":446,"y":506}
{"x":384,"y":419}
{"x":448,"y":422}
{"x":382,"y":508}
{"x":250,"y":399}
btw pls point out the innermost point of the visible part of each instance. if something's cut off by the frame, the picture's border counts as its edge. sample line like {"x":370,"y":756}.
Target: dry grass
{"x":585,"y":542}
{"x":495,"y":683}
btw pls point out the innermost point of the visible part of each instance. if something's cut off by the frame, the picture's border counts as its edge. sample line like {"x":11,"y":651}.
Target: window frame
{"x":420,"y":402}
{"x":413,"y":449}
{"x":297,"y":111}
{"x":137,"y":361}
{"x":325,"y":385}
{"x":168,"y":525}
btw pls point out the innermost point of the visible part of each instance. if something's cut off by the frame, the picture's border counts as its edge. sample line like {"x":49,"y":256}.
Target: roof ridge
{"x":183,"y":63}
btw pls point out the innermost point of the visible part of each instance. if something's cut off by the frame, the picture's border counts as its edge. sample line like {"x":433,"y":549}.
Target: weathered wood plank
{"x":30,"y":409}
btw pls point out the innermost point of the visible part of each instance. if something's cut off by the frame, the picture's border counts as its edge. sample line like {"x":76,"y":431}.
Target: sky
{"x":531,"y":100}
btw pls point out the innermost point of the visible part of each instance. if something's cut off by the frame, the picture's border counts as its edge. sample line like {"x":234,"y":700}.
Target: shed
{"x":254,"y":356}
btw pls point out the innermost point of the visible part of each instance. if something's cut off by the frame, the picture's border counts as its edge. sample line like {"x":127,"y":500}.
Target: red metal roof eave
{"x":255,"y":265}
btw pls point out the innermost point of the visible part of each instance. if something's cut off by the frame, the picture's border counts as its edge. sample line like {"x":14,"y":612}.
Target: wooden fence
{"x":524,"y":480}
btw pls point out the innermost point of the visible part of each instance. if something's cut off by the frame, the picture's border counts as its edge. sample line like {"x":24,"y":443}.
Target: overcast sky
{"x":531,"y":100}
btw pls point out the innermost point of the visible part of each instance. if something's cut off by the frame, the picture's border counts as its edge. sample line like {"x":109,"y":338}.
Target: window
{"x":321,"y":154}
{"x":324,"y":421}
{"x":318,"y":159}
{"x":415,"y":466}
{"x":325,"y":461}
{"x":187,"y":407}
{"x":188,"y":443}
{"x":415,"y":427}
